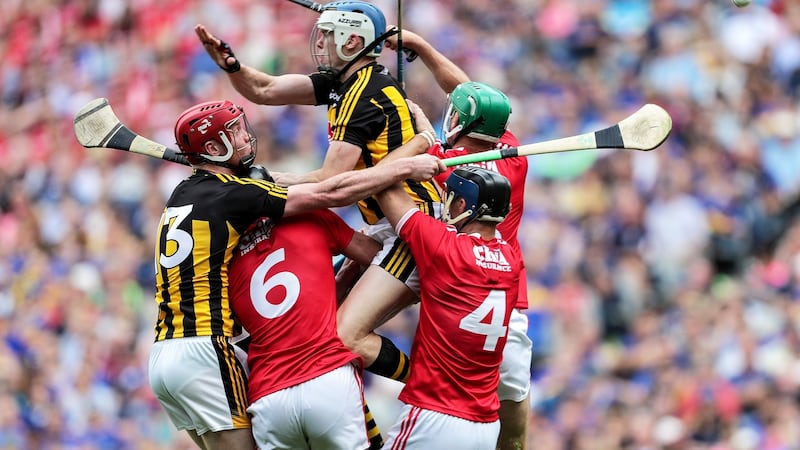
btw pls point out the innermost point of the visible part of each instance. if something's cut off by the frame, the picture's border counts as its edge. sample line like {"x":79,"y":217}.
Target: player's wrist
{"x":230,"y":67}
{"x":429,"y":137}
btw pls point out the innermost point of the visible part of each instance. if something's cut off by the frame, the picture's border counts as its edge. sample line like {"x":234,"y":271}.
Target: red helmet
{"x":213,"y":121}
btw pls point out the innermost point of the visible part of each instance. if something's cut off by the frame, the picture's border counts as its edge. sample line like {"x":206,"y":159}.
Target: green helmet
{"x":482,"y":111}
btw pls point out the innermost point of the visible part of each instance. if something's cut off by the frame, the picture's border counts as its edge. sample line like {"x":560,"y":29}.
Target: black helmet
{"x":487,"y":193}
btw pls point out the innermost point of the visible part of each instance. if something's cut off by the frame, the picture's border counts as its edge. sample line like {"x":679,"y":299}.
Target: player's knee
{"x":239,"y":439}
{"x":349,"y":335}
{"x":513,"y":417}
{"x":346,"y":336}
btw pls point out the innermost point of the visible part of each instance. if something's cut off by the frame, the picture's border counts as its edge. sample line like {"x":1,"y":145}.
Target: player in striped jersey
{"x":193,"y":368}
{"x":475,"y":120}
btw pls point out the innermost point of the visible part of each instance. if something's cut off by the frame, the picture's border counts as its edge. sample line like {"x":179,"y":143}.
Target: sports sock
{"x":391,"y":362}
{"x":373,"y":432}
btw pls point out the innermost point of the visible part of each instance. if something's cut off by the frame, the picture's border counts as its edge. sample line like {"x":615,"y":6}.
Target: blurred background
{"x":664,"y":286}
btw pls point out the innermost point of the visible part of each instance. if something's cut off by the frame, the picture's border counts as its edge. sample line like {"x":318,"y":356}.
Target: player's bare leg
{"x":513,"y":424}
{"x":376,"y":297}
{"x":239,"y":439}
{"x":197,"y":439}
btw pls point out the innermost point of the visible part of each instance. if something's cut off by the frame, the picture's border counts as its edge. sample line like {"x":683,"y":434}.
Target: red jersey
{"x":516,"y":170}
{"x":283,"y":291}
{"x":468,"y":288}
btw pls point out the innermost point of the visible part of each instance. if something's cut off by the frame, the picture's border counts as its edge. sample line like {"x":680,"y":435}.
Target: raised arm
{"x":256,"y":86}
{"x":447,"y":74}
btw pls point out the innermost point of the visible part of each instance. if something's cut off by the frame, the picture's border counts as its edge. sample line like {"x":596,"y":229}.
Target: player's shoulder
{"x":379,"y":77}
{"x":507,"y":140}
{"x":235,"y":182}
{"x":439,"y":150}
{"x":200,"y":187}
{"x":322,"y":217}
{"x":511,"y":166}
{"x":381,"y":73}
{"x":230,"y":178}
{"x":416,"y":218}
{"x":321,"y":222}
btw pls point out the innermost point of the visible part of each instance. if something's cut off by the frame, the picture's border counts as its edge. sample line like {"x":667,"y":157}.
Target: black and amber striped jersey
{"x":198,"y":232}
{"x":369,"y":110}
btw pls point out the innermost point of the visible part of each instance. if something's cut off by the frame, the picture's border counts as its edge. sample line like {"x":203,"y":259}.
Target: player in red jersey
{"x":469,"y":281}
{"x":283,"y":290}
{"x":475,"y":120}
{"x":489,"y":131}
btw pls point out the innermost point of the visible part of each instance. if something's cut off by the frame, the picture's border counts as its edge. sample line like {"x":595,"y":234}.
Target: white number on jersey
{"x":259,"y":287}
{"x":494,"y":307}
{"x":183,"y":240}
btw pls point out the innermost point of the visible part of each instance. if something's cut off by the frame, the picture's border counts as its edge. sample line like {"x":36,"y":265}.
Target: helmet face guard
{"x":220,"y":121}
{"x":321,"y":52}
{"x":482,"y":112}
{"x":341,"y":20}
{"x":487,"y":194}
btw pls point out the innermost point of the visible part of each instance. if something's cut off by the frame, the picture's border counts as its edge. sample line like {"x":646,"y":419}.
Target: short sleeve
{"x":323,"y":85}
{"x":339,"y":232}
{"x":425,"y":235}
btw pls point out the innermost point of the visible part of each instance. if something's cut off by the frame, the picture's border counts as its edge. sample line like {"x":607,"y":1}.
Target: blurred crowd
{"x":664,"y":285}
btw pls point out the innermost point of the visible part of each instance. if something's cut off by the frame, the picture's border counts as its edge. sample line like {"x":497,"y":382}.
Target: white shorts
{"x":200,"y":383}
{"x":326,"y":412}
{"x":395,"y":256}
{"x":423,"y":429}
{"x":515,"y":370}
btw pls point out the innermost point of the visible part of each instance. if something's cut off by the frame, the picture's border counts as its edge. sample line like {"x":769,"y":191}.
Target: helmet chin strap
{"x":453,"y":220}
{"x":451,"y":133}
{"x":467,"y":213}
{"x":222,"y":158}
{"x":244,"y":163}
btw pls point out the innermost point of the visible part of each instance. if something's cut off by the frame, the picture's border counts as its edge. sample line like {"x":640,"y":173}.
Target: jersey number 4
{"x":493,"y":307}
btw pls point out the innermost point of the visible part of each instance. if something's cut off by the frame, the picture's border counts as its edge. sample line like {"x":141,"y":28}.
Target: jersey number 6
{"x":260,"y":286}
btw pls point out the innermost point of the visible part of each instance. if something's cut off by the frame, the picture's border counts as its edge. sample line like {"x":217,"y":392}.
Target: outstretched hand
{"x":219,"y":51}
